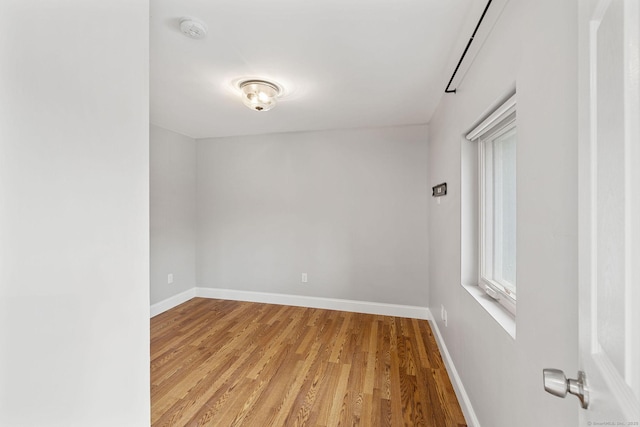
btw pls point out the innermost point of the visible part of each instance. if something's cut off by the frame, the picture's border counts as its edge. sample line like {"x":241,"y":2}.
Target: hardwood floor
{"x":229,"y":363}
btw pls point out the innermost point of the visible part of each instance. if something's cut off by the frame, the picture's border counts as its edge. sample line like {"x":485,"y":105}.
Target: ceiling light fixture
{"x":192,"y":28}
{"x":259,"y":95}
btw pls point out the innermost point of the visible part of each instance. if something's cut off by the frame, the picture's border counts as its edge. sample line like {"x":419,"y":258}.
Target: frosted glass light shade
{"x":259,"y":95}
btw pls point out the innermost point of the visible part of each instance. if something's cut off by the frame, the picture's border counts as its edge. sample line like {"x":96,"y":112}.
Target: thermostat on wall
{"x":440,"y":190}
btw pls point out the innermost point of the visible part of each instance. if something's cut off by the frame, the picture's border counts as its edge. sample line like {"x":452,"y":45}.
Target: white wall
{"x":534,"y":48}
{"x":348,"y":207}
{"x":172,"y":161}
{"x":74,"y":240}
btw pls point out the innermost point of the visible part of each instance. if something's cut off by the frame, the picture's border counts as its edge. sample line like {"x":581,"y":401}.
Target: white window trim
{"x":500,"y":114}
{"x":500,"y":121}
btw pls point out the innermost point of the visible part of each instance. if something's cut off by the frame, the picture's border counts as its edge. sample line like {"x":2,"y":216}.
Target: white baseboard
{"x":294,"y":300}
{"x":316,"y":302}
{"x":463,"y":397}
{"x":173,"y":301}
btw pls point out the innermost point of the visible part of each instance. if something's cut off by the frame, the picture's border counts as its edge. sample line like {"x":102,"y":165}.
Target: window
{"x":496,"y":137}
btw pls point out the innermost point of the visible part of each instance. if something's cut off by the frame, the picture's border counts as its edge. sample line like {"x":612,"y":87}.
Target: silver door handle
{"x":556,"y":383}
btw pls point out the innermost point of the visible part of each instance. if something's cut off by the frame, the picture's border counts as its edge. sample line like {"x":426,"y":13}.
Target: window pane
{"x":496,"y":136}
{"x":504,"y":209}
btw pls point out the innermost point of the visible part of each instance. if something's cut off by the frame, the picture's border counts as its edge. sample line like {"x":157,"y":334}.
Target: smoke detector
{"x":192,"y":28}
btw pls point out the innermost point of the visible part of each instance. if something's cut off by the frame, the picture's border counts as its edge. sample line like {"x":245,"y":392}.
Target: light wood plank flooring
{"x":228,"y":363}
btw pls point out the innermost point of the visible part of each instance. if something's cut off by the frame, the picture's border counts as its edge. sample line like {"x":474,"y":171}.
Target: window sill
{"x":495,"y":310}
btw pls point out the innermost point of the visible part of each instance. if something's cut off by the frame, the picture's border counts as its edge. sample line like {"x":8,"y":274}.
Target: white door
{"x":609,"y":202}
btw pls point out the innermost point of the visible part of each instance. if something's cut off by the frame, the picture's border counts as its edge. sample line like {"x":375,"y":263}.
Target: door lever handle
{"x":556,"y":383}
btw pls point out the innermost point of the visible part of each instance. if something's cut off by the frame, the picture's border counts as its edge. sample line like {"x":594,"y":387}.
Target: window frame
{"x":499,"y":123}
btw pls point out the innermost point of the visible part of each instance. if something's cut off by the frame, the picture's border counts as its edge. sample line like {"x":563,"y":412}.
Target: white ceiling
{"x":344,"y":63}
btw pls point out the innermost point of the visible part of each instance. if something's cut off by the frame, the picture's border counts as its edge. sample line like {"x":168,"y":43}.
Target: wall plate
{"x":439,"y":190}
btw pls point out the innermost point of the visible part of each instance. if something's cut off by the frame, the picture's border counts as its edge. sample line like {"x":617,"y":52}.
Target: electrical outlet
{"x":304,"y":278}
{"x":170,"y":278}
{"x":443,"y":314}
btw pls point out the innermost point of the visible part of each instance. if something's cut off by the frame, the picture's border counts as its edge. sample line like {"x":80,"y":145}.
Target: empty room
{"x":288,"y":213}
